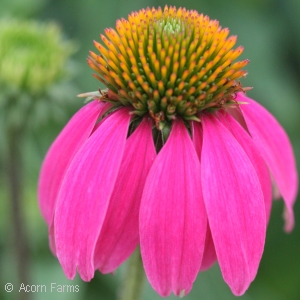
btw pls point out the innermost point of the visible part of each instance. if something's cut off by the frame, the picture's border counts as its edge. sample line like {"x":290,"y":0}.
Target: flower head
{"x":172,"y":156}
{"x":169,"y":63}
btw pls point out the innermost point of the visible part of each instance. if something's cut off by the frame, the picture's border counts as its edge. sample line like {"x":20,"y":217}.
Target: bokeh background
{"x":269,"y":31}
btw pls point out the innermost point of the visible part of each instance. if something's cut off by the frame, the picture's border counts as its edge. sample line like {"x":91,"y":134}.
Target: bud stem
{"x":132,"y":285}
{"x":14,"y":174}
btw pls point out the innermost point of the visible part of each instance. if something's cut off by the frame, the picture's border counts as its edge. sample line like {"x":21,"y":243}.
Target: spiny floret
{"x":169,"y":62}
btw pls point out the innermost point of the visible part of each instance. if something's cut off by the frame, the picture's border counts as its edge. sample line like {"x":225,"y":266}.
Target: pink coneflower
{"x":172,"y":156}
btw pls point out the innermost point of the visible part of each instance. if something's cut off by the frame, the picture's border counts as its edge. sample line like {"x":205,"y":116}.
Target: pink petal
{"x":234,"y":203}
{"x":209,"y":255}
{"x":84,"y":196}
{"x":277,"y":151}
{"x":120,"y":232}
{"x":172,"y":216}
{"x":52,"y":239}
{"x":254,"y":155}
{"x":197,"y":134}
{"x":61,"y":153}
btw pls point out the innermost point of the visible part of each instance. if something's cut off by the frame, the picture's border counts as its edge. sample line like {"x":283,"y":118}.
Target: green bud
{"x":34,"y":68}
{"x":32,"y":55}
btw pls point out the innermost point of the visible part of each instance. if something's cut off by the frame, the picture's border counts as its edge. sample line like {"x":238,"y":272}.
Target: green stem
{"x":132,"y":285}
{"x":14,"y":173}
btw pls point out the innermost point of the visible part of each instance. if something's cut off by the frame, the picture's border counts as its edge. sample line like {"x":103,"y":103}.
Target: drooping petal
{"x":234,"y":203}
{"x":254,"y":155}
{"x":209,"y":254}
{"x":52,"y":239}
{"x":84,"y":196}
{"x":172,"y":216}
{"x":197,"y":135}
{"x":61,"y":153}
{"x":119,"y":235}
{"x":277,"y":151}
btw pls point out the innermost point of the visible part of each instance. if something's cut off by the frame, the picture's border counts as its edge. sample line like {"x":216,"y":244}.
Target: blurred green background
{"x":269,"y":31}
